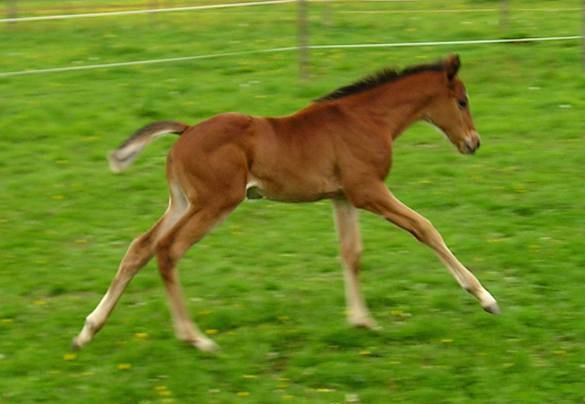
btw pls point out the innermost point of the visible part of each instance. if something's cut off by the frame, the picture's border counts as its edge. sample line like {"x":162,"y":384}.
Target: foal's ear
{"x":452,"y":64}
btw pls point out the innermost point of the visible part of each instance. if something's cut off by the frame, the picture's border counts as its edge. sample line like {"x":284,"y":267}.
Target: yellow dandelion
{"x":494,"y":240}
{"x":211,"y":331}
{"x":365,"y":352}
{"x":141,"y":335}
{"x":520,"y":189}
{"x":243,"y":394}
{"x":124,"y":366}
{"x":163,"y":391}
{"x":446,"y":341}
{"x":70,"y":356}
{"x":324,"y":390}
{"x":39,"y":302}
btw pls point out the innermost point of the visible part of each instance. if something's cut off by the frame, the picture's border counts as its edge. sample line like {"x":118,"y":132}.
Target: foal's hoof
{"x":76,"y":345}
{"x":205,"y":345}
{"x":493,"y":308}
{"x":364,"y":322}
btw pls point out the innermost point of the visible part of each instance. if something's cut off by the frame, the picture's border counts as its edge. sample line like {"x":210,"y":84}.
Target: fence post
{"x":153,"y":5}
{"x":504,"y":13}
{"x":583,"y":33}
{"x":326,"y":14}
{"x":303,"y":39}
{"x":11,"y":9}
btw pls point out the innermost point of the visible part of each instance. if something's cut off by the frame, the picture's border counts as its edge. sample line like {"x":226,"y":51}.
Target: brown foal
{"x":339,"y":147}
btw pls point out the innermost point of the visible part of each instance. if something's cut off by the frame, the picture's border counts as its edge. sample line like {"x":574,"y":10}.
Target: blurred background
{"x":77,"y":77}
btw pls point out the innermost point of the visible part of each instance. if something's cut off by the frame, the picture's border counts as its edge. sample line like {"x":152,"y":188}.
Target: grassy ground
{"x":267,"y":285}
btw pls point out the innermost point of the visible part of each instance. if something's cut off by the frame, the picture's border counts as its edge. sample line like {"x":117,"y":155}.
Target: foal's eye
{"x":462,"y":103}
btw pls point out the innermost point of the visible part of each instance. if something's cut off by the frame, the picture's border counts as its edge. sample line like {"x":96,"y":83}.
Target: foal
{"x":339,"y":147}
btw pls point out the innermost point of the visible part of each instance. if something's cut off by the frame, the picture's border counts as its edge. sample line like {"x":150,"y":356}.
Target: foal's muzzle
{"x":470,"y":144}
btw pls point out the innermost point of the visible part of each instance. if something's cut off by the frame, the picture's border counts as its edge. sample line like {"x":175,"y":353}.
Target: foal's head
{"x":449,"y":110}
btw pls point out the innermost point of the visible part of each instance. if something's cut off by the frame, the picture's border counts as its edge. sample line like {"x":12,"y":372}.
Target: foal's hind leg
{"x":139,"y":253}
{"x":137,"y":256}
{"x":378,"y":199}
{"x":346,"y":220}
{"x":192,"y":228}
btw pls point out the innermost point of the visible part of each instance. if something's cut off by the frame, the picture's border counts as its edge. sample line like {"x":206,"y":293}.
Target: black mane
{"x":383,"y":76}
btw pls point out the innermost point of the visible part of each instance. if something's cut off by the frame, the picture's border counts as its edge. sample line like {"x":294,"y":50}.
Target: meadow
{"x":267,"y":284}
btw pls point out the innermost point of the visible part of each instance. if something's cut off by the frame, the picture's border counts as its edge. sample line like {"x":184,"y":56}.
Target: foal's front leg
{"x":346,"y":220}
{"x":378,"y":199}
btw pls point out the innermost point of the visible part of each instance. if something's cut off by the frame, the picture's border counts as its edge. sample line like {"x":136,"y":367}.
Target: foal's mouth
{"x":469,"y":146}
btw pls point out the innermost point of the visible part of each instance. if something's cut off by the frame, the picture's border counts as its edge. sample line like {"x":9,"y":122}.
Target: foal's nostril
{"x":478,"y":144}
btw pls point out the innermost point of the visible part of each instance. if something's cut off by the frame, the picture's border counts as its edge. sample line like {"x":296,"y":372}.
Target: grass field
{"x":267,"y":284}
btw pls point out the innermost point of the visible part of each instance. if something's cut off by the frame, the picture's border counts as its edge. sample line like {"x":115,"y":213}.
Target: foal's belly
{"x":295,"y":189}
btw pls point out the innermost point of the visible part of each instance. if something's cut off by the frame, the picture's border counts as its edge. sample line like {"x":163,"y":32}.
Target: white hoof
{"x":83,"y":338}
{"x":204,"y":344}
{"x":364,"y":322}
{"x":488,"y":303}
{"x":76,"y":344}
{"x":493,"y":308}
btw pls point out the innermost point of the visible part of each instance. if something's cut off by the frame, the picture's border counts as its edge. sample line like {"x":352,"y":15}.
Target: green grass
{"x":268,"y":281}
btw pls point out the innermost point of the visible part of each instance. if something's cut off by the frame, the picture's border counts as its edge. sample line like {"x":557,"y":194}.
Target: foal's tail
{"x":124,"y":155}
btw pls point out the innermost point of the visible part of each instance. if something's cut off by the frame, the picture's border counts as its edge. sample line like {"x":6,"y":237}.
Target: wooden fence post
{"x":504,"y":15}
{"x":583,"y":33}
{"x":326,"y":14}
{"x":11,"y":9}
{"x":303,"y":39}
{"x":153,"y":5}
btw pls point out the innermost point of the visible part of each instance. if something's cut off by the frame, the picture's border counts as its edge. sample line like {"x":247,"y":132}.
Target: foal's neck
{"x":395,"y":106}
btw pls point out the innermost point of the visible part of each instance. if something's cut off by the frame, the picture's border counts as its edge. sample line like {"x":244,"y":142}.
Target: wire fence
{"x":303,"y":46}
{"x":12,"y":18}
{"x":144,"y":11}
{"x":286,"y":49}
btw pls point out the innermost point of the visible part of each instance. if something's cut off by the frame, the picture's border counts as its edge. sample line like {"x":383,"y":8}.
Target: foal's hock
{"x":339,"y":147}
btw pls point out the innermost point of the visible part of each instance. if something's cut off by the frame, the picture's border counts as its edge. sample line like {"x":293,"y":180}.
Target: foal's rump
{"x":206,"y":135}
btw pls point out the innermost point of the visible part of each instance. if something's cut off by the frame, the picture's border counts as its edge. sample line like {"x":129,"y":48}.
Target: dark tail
{"x":126,"y":153}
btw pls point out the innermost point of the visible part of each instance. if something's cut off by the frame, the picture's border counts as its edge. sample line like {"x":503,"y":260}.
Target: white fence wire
{"x":148,"y":11}
{"x":286,"y":49}
{"x":267,"y":2}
